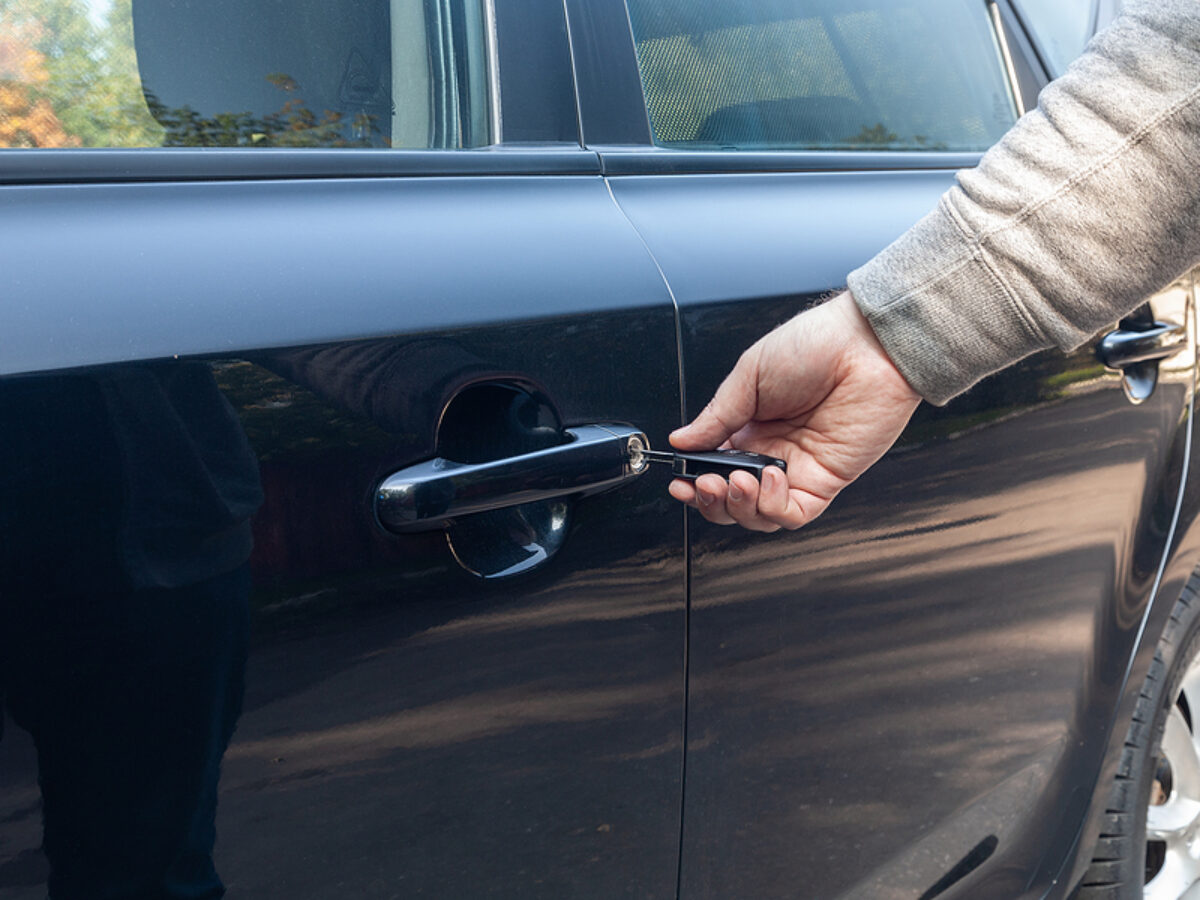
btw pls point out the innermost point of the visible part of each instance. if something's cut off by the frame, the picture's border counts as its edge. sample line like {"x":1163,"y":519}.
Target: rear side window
{"x":822,"y":74}
{"x":244,"y":73}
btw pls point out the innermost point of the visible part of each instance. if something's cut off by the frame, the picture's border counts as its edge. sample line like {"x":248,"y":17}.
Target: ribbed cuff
{"x":939,"y":309}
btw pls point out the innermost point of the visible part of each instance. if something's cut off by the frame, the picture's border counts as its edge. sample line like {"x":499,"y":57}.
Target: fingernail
{"x":705,"y":499}
{"x":734,"y":492}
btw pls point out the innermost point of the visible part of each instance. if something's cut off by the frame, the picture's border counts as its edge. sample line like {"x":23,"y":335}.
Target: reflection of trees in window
{"x":26,"y":119}
{"x":879,"y":135}
{"x":293,"y":125}
{"x":69,"y":80}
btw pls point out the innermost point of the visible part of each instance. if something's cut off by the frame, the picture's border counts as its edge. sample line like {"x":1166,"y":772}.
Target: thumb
{"x":732,"y":406}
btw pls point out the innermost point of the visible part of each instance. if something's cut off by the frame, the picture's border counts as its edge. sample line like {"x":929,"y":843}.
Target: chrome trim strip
{"x":574,"y":73}
{"x":495,"y":113}
{"x":1014,"y":86}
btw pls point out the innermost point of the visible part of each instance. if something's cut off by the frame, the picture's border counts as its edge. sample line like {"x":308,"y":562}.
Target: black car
{"x":392,"y":291}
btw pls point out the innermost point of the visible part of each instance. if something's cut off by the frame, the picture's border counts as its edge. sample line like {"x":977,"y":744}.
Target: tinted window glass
{"x":1061,"y":28}
{"x":822,"y":74}
{"x":243,"y":73}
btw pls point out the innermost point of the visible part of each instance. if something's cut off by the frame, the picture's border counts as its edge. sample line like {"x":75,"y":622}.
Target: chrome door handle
{"x":432,"y":494}
{"x":1124,"y":348}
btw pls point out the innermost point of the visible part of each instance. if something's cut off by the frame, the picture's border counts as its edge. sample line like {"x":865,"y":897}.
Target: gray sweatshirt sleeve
{"x":1087,"y":206}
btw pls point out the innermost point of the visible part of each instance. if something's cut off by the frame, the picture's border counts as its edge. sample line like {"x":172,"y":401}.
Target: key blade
{"x":659,"y":456}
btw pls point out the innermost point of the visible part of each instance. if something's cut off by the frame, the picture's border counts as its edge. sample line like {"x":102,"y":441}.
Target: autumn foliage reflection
{"x":27,"y":119}
{"x":69,"y":78}
{"x":293,"y":125}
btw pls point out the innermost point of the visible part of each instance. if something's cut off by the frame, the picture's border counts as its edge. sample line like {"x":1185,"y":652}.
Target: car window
{"x":822,"y":74}
{"x":244,"y":73}
{"x":1060,"y":27}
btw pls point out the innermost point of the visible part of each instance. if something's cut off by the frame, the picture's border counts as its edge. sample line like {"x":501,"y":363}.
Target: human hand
{"x":820,"y":393}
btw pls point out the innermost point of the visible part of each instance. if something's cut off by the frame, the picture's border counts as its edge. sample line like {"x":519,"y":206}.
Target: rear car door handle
{"x":1124,"y":348}
{"x":432,"y":494}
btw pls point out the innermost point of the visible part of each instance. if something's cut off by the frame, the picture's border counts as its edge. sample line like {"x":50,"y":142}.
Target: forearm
{"x":1087,"y":206}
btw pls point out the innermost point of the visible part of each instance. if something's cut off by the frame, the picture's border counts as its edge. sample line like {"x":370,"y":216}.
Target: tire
{"x":1156,"y":794}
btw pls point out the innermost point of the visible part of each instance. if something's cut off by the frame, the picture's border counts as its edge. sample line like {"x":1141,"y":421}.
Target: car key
{"x":719,"y":462}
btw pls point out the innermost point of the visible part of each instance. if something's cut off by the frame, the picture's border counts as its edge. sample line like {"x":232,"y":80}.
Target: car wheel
{"x":1150,"y":844}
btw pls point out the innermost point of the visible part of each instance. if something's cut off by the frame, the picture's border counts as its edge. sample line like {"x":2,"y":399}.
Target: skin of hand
{"x":820,"y":393}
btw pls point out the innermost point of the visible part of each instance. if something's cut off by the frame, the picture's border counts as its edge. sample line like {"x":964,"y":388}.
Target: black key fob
{"x":723,"y":462}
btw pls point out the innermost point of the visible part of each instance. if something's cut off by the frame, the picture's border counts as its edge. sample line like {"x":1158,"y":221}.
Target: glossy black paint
{"x":934,"y":664}
{"x":402,"y":716}
{"x":537,"y":91}
{"x":607,"y":83}
{"x":502,"y":739}
{"x":407,"y":725}
{"x":218,"y":267}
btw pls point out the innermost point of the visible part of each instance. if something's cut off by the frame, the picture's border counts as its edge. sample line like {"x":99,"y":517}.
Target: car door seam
{"x":687,"y":544}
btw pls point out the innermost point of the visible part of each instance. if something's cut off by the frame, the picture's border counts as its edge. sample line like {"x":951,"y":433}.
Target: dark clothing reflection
{"x":125,"y":498}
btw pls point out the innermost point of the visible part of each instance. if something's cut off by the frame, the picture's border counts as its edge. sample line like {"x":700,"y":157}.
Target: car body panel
{"x":406,"y":722}
{"x":208,"y":268}
{"x":926,"y":674}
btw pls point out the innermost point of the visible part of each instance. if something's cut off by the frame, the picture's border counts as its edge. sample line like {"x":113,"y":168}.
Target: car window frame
{"x":533,"y":113}
{"x":1036,"y":35}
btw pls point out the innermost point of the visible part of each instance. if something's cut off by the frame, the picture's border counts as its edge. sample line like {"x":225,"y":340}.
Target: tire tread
{"x":1118,"y":860}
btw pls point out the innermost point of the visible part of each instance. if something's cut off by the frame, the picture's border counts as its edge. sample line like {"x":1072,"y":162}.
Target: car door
{"x":911,"y":697}
{"x":362,"y":294}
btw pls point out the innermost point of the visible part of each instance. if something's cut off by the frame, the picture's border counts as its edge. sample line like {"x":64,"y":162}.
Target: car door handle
{"x":432,"y":494}
{"x":1124,"y":347}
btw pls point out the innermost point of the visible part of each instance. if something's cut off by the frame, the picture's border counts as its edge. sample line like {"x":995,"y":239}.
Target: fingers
{"x":683,"y":491}
{"x":767,"y":506}
{"x":707,"y":494}
{"x":775,"y":501}
{"x":743,"y":499}
{"x":819,"y":391}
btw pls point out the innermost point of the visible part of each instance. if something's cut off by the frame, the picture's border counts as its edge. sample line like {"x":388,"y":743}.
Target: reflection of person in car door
{"x":125,"y":497}
{"x":1087,"y":206}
